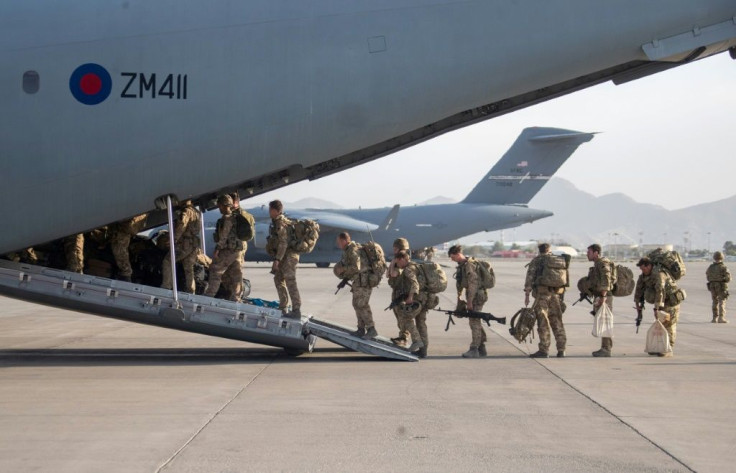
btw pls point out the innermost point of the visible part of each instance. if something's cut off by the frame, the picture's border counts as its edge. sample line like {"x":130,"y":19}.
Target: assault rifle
{"x":343,"y":283}
{"x":585,"y":297}
{"x":396,"y":301}
{"x":471,"y":314}
{"x":639,"y":313}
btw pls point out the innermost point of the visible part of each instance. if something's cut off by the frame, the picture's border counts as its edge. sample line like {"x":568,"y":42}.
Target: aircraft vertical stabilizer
{"x":527,"y":166}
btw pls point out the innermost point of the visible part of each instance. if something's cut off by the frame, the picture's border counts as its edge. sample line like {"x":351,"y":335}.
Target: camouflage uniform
{"x":186,"y":243}
{"x":718,"y":279}
{"x":27,"y":256}
{"x":600,"y":279}
{"x":230,"y":281}
{"x":74,"y":252}
{"x":354,"y":266}
{"x":547,"y":307}
{"x":394,"y":283}
{"x":413,"y":323}
{"x":122,"y":232}
{"x":654,"y":287}
{"x":284,"y":277}
{"x":468,"y":278}
{"x":228,"y":255}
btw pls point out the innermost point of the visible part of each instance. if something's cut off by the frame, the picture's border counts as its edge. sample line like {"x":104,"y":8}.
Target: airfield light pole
{"x":708,"y":235}
{"x":615,"y":246}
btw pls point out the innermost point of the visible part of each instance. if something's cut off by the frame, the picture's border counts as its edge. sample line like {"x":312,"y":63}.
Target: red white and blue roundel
{"x":90,"y":84}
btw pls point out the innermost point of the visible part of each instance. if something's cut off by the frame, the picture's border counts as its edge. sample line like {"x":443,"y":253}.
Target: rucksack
{"x":434,"y":278}
{"x":522,"y":324}
{"x":487,"y":276}
{"x":376,"y":259}
{"x":623,"y":280}
{"x":245,"y":225}
{"x":303,"y":235}
{"x":671,"y":261}
{"x":552,"y":271}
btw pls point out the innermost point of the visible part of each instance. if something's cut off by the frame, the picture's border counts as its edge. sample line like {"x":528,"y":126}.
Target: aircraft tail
{"x":527,"y":166}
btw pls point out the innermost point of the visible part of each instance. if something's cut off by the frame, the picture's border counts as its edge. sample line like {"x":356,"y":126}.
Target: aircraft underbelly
{"x":196,"y":314}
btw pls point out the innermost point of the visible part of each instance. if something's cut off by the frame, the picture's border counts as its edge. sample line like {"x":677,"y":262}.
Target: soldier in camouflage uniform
{"x":392,"y":274}
{"x":186,"y":244}
{"x":718,"y":279}
{"x":121,"y":233}
{"x":468,"y":277}
{"x":354,"y":266}
{"x":285,"y":260}
{"x":547,"y":307}
{"x":227,"y":248}
{"x":413,"y":314}
{"x":234,"y":286}
{"x":657,"y":288}
{"x":600,"y":284}
{"x":74,"y":252}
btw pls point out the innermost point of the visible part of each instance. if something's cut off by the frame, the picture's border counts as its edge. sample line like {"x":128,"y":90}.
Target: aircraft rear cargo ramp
{"x":191,"y":313}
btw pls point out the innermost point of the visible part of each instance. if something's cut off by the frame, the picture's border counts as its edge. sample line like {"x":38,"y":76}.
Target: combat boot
{"x":370,"y":333}
{"x":471,"y":353}
{"x":422,"y":352}
{"x":561,"y":354}
{"x":539,"y":354}
{"x":415,"y":346}
{"x":400,"y":341}
{"x":722,"y":320}
{"x":358,"y":333}
{"x":294,"y":314}
{"x":482,"y":350}
{"x":602,"y":353}
{"x":124,"y":278}
{"x":715,"y":320}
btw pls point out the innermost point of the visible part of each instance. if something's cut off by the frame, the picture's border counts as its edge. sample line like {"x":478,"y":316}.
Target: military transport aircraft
{"x":497,"y":202}
{"x":112,"y":109}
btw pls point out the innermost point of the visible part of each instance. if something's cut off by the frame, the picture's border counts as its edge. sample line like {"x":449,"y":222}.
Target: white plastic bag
{"x":603,"y":322}
{"x":658,"y":340}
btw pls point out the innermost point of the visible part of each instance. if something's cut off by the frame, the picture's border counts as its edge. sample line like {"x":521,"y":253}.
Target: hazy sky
{"x":665,"y":139}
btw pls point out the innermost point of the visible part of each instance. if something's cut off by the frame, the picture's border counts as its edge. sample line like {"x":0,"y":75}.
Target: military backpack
{"x":522,"y":324}
{"x":303,"y":235}
{"x":623,"y":280}
{"x":552,"y":271}
{"x":670,"y":261}
{"x":431,"y":277}
{"x":375,"y":256}
{"x":487,"y":276}
{"x":245,"y":225}
{"x":717,"y":272}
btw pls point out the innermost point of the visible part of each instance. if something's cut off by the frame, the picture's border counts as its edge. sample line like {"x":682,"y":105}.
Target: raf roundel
{"x":90,"y":84}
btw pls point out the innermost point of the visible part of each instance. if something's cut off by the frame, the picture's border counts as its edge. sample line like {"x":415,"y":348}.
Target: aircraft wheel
{"x":323,"y":265}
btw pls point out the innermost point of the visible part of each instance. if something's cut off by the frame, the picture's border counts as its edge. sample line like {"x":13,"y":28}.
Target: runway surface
{"x":80,"y":393}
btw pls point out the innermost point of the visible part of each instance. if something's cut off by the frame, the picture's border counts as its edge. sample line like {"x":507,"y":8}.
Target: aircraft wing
{"x":334,"y":220}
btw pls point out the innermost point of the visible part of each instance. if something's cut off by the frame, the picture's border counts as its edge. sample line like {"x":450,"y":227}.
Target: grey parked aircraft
{"x":498,"y":201}
{"x":112,"y":109}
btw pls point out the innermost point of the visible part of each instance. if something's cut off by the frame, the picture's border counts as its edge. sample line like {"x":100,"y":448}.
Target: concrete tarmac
{"x":80,"y":393}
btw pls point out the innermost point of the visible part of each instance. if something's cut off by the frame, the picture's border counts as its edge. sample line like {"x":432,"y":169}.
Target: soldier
{"x":547,"y":305}
{"x":718,"y":279}
{"x":233,"y":286}
{"x":468,"y":277}
{"x":228,"y":248}
{"x":392,"y":274}
{"x":354,"y":265}
{"x":600,"y":284}
{"x":186,"y":242}
{"x":429,"y":253}
{"x":285,"y":260}
{"x":74,"y":252}
{"x":413,"y":314}
{"x":658,"y":288}
{"x":122,"y":232}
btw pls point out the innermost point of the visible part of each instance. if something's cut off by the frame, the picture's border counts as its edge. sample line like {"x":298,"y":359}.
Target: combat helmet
{"x":717,"y":256}
{"x":225,"y":200}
